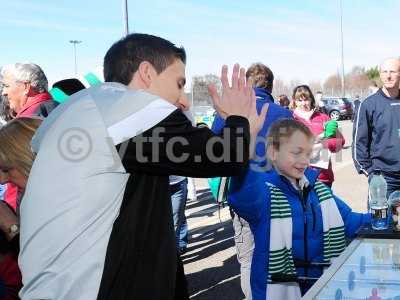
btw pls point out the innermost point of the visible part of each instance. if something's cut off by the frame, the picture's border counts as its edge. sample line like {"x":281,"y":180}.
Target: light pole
{"x":125,"y":16}
{"x":342,"y":52}
{"x":74,"y":42}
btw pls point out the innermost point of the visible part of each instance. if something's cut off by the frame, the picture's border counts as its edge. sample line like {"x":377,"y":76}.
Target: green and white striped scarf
{"x":280,"y":251}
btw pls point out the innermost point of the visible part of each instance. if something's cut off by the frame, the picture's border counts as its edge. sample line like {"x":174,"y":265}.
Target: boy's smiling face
{"x":293,"y":155}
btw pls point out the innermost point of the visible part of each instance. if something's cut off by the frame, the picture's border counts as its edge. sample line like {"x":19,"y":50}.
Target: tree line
{"x":358,"y":82}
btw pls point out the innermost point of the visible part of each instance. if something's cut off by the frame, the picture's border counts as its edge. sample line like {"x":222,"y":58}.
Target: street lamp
{"x":342,"y":52}
{"x":125,"y":16}
{"x":74,"y":42}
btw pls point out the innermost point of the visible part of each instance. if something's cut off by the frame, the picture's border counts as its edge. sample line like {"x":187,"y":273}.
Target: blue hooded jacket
{"x":252,"y":202}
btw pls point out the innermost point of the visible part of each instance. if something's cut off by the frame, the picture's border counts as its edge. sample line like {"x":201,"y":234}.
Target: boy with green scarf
{"x":295,"y":219}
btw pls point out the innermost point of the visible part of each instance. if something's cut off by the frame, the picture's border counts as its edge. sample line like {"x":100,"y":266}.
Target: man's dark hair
{"x":122,"y":60}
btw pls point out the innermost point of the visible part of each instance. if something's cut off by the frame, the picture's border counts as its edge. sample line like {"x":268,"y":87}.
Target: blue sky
{"x":298,"y":39}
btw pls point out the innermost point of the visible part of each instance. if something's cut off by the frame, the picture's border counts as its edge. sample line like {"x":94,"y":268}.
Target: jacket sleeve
{"x":248,"y":200}
{"x":362,"y":140}
{"x":174,"y":146}
{"x":352,"y":220}
{"x":218,"y":124}
{"x":334,"y":144}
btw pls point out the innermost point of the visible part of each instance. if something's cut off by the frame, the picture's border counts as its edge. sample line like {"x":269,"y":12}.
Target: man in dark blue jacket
{"x":263,"y":79}
{"x":376,"y":144}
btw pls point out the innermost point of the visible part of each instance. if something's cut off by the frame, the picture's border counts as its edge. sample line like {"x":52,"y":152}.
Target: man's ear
{"x":146,"y":73}
{"x":28,"y":89}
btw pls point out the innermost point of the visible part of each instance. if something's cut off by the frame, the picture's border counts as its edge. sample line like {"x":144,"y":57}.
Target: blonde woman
{"x":16,"y":160}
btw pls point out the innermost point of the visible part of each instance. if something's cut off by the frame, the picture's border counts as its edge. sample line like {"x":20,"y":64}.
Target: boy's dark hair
{"x":284,"y":129}
{"x":261,"y":75}
{"x":122,"y":60}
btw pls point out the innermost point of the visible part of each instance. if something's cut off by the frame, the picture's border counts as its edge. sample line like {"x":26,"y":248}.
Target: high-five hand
{"x":236,"y":99}
{"x":256,"y":122}
{"x":3,"y":177}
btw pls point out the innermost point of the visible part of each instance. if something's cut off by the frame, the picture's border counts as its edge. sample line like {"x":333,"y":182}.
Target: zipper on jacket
{"x":314,"y":217}
{"x":303,"y":204}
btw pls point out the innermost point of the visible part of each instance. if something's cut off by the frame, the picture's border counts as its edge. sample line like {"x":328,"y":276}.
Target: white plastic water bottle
{"x":378,"y":203}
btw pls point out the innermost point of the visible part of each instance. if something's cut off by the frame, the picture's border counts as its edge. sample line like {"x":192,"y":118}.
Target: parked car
{"x":337,"y":107}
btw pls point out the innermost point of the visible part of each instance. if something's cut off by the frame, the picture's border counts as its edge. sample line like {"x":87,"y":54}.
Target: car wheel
{"x":334,"y":115}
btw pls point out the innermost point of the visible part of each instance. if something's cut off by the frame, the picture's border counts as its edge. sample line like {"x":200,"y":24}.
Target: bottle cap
{"x":377,"y":172}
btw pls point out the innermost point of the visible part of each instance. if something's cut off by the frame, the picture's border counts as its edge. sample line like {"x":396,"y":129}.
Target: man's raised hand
{"x":236,"y":99}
